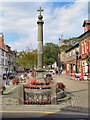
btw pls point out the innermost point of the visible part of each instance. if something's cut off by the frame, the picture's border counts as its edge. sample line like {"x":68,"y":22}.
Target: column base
{"x":40,"y":73}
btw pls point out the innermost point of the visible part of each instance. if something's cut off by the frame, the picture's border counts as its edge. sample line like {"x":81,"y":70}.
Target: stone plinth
{"x":53,"y":94}
{"x":40,"y":73}
{"x":20,"y":94}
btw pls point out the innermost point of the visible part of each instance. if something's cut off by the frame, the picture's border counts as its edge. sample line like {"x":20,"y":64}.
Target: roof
{"x":86,"y":22}
{"x":84,"y":35}
{"x":4,"y":49}
{"x":72,"y":47}
{"x":2,"y":44}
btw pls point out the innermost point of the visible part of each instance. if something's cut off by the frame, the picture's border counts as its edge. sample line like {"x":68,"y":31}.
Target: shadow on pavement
{"x":79,"y":91}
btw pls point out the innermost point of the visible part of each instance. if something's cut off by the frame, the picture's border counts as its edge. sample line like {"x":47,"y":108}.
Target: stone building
{"x":62,"y":56}
{"x":73,"y":64}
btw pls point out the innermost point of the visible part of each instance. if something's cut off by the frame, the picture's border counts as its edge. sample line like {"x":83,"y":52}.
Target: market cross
{"x":40,"y":10}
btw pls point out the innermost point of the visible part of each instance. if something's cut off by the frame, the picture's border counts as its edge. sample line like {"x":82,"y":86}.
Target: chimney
{"x":1,"y":39}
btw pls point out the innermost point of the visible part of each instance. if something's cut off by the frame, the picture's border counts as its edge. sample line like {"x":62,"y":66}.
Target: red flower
{"x":27,"y":101}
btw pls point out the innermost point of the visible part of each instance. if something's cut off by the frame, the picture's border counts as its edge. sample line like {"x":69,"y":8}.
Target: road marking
{"x":25,"y":112}
{"x":72,"y":113}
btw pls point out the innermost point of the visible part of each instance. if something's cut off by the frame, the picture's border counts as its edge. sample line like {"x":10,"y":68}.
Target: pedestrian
{"x":53,"y":72}
{"x":7,"y":78}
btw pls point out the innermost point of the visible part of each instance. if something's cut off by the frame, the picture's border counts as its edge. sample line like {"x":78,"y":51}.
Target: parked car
{"x":12,"y":75}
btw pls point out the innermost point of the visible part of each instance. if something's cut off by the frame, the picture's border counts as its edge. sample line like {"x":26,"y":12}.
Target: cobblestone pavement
{"x":78,"y":90}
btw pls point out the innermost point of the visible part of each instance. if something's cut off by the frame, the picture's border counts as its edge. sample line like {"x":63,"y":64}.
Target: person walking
{"x":7,"y":78}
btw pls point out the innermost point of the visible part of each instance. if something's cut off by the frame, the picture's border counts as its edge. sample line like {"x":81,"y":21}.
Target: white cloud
{"x":43,"y":0}
{"x":62,"y":20}
{"x":1,"y":19}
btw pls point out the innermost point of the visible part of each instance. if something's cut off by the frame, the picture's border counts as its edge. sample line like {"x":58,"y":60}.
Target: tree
{"x":27,"y":58}
{"x":51,"y":52}
{"x":69,"y":43}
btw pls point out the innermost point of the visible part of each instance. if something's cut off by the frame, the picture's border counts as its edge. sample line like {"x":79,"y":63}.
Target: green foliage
{"x":27,"y":58}
{"x":51,"y":51}
{"x":68,"y":43}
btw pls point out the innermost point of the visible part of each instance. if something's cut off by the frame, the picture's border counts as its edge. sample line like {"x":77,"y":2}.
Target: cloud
{"x":68,"y":21}
{"x":22,"y":19}
{"x":44,"y":0}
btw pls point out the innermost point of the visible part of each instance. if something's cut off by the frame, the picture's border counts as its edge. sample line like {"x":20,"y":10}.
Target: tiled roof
{"x":84,"y":35}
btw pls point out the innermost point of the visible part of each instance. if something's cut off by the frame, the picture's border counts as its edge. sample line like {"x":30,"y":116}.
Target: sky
{"x":18,"y":21}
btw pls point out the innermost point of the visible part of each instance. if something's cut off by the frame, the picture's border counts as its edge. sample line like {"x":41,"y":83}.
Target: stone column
{"x":40,"y":70}
{"x":40,"y":42}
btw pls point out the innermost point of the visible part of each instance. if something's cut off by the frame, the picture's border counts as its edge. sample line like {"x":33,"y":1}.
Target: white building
{"x":3,"y":55}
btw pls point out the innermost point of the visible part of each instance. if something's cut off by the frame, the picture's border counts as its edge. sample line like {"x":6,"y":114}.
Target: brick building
{"x":85,"y":47}
{"x":78,"y":56}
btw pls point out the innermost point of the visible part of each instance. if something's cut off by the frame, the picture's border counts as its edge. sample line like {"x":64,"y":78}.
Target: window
{"x":73,"y":52}
{"x":74,"y":67}
{"x":6,"y":62}
{"x":70,"y":54}
{"x":89,"y":44}
{"x":82,"y":48}
{"x":67,"y":67}
{"x":6,"y":54}
{"x":85,"y":47}
{"x":2,"y":53}
{"x":2,"y":61}
{"x":78,"y":49}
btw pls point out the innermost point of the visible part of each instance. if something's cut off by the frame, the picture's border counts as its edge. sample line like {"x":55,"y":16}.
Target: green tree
{"x":27,"y":58}
{"x":69,"y":43}
{"x":51,"y":52}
